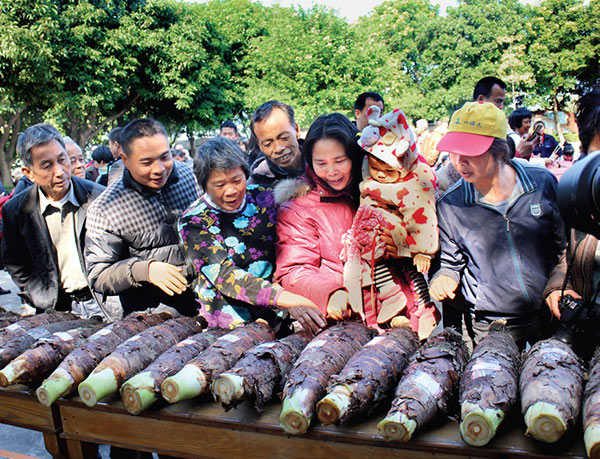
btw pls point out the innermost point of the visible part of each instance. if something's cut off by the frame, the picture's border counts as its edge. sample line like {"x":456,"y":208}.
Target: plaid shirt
{"x":129,"y":223}
{"x":126,"y":207}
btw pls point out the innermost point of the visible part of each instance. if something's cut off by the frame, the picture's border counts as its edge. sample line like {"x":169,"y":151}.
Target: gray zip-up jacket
{"x":502,"y":261}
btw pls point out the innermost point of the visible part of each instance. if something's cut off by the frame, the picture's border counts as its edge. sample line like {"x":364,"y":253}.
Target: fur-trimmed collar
{"x":289,"y":189}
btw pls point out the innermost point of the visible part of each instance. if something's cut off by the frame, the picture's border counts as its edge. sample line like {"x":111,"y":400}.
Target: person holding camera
{"x":577,"y":277}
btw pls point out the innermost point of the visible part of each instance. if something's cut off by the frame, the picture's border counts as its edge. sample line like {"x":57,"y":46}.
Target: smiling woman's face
{"x":227,"y":188}
{"x":331,"y":163}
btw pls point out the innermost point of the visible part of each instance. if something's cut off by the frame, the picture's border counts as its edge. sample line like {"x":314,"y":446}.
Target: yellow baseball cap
{"x":472,"y":129}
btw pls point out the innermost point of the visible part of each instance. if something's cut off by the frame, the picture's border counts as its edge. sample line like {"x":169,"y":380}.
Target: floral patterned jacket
{"x":234,"y":255}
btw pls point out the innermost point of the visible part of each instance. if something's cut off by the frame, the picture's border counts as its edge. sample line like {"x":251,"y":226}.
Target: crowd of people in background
{"x":296,"y":229}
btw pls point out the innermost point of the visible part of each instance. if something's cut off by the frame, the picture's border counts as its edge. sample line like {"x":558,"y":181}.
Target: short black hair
{"x":588,"y":118}
{"x":515,"y":119}
{"x":229,"y":124}
{"x":264,"y":111}
{"x":361,"y":100}
{"x":218,"y":154}
{"x":102,"y":154}
{"x":114,"y":135}
{"x":140,"y":127}
{"x":38,"y":134}
{"x":485,"y":85}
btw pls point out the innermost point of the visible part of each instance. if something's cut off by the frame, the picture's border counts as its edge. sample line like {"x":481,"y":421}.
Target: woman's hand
{"x":391,"y":249}
{"x":338,"y":307}
{"x":442,"y":287}
{"x":554,"y":297}
{"x":422,"y":262}
{"x":303,"y":310}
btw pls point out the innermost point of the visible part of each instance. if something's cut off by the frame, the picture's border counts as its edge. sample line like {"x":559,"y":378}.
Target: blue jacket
{"x":502,"y":261}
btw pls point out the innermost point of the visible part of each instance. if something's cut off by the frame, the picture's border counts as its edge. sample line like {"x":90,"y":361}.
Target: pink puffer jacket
{"x":310,"y":225}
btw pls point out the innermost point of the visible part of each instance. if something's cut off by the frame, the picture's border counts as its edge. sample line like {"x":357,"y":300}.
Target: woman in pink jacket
{"x":317,"y":210}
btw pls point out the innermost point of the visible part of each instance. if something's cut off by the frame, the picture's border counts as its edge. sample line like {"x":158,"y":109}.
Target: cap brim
{"x":464,"y":143}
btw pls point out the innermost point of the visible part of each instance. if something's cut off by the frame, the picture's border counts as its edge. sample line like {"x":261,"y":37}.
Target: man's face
{"x":150,"y":162}
{"x":115,"y":149}
{"x":361,"y":116}
{"x":51,"y":169}
{"x":525,"y":125}
{"x":278,"y":140}
{"x":77,"y":160}
{"x":497,"y":97}
{"x":229,"y":133}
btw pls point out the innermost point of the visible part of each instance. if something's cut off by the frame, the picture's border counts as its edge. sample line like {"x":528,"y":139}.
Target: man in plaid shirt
{"x":132,"y":249}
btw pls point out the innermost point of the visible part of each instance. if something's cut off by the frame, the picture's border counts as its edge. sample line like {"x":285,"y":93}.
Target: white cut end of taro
{"x":397,"y":427}
{"x":228,"y":387}
{"x":591,"y":438}
{"x":544,"y":422}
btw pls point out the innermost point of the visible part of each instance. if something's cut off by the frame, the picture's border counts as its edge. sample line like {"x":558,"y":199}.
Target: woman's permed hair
{"x":335,"y":126}
{"x":218,"y":154}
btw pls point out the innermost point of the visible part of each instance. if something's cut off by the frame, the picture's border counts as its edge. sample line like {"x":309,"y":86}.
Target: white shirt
{"x":61,"y":220}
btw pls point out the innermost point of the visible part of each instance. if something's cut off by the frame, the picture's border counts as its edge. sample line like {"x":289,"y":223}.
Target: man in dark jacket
{"x":44,"y":226}
{"x":277,"y":134}
{"x":132,"y":248}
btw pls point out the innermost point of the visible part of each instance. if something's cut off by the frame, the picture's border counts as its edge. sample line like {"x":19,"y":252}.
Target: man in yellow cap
{"x":501,"y":232}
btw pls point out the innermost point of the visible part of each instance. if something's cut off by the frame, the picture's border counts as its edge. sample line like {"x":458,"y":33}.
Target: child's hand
{"x":442,"y":287}
{"x":337,"y":307}
{"x":422,"y":262}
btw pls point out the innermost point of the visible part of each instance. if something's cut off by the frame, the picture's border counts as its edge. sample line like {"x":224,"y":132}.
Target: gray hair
{"x":218,"y":154}
{"x":38,"y":134}
{"x":499,"y":150}
{"x":69,"y":140}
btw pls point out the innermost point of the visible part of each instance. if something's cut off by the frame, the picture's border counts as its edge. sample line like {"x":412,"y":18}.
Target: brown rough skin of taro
{"x":19,"y":328}
{"x":498,"y":386}
{"x":82,"y":361}
{"x":139,"y":351}
{"x":552,"y":373}
{"x":44,"y":356}
{"x":442,"y":358}
{"x":591,"y":396}
{"x":318,"y":363}
{"x":375,"y":369}
{"x":21,"y":342}
{"x":224,"y":353}
{"x":174,"y":359}
{"x":265,"y":367}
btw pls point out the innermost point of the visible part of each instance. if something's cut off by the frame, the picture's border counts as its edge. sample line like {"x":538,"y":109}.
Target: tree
{"x":563,"y":48}
{"x":306,"y":59}
{"x":28,"y":68}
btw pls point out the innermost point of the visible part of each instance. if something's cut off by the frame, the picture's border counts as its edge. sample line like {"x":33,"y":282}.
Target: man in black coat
{"x":44,"y":226}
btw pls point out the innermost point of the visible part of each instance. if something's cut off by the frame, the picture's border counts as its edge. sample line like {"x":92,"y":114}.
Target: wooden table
{"x":201,"y":428}
{"x":19,"y":407}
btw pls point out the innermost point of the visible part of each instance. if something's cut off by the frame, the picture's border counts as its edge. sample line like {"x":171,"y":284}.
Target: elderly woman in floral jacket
{"x":229,"y":236}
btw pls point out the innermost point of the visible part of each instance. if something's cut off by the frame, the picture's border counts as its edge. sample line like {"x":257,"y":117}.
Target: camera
{"x":577,"y":320}
{"x":579,"y":196}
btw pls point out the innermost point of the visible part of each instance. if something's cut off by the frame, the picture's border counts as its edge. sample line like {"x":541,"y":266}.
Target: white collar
{"x":45,"y":201}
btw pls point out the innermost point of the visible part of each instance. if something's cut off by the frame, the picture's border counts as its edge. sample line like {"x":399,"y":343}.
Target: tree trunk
{"x":8,"y":141}
{"x":190,"y":135}
{"x":559,"y":131}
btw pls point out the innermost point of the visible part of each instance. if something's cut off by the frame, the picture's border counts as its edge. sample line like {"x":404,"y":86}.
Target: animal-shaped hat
{"x":389,"y":138}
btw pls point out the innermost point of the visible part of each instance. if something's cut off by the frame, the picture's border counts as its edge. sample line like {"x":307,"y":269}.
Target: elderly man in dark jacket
{"x":132,"y":248}
{"x":44,"y":226}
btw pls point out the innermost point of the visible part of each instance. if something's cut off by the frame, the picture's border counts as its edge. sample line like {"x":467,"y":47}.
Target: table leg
{"x":81,"y":449}
{"x":55,"y":446}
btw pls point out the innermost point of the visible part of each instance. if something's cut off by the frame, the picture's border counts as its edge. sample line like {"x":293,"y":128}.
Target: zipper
{"x":513,"y":254}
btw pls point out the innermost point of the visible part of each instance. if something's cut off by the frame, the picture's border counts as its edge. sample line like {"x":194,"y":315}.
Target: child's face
{"x":382,"y":172}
